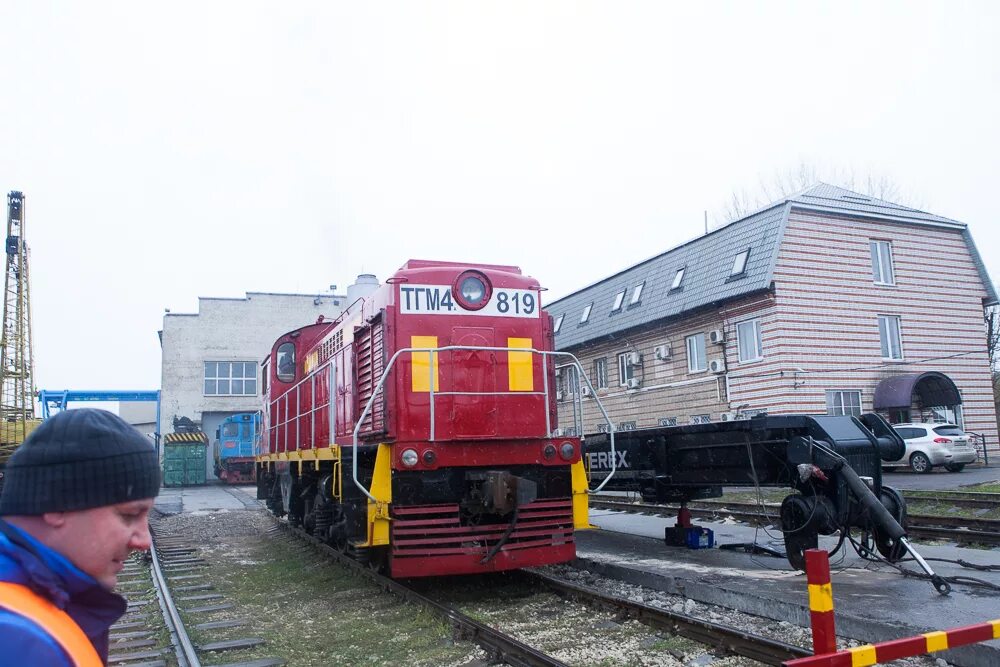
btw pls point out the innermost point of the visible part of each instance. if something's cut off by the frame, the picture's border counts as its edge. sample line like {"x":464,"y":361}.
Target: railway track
{"x":969,"y":499}
{"x":168,"y":575}
{"x":957,"y":529}
{"x":503,"y":647}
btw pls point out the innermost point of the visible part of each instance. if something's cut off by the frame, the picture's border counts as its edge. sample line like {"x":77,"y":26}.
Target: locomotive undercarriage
{"x":445,"y":521}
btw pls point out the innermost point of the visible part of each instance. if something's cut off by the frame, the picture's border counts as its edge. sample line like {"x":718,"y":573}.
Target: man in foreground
{"x":74,"y":505}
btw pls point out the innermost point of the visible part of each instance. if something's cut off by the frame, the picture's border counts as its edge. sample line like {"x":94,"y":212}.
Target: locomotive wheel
{"x":891,"y":549}
{"x":800,"y":535}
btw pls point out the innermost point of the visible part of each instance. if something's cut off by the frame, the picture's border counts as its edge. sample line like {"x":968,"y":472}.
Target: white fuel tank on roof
{"x":365,"y":285}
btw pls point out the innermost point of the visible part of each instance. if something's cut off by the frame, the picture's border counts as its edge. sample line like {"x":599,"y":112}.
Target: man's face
{"x":99,"y":540}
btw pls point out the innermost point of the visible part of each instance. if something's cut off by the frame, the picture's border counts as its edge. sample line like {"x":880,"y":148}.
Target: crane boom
{"x":17,"y":382}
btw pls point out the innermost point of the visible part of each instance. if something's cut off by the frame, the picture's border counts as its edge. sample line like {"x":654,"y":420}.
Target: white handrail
{"x":450,"y":348}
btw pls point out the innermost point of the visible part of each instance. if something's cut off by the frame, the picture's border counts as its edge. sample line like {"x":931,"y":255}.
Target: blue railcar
{"x":234,"y":447}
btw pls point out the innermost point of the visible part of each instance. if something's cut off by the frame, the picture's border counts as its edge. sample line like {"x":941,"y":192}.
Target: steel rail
{"x":956,"y":498}
{"x":502,"y":647}
{"x":187,"y":656}
{"x":733,"y":640}
{"x":962,"y":535}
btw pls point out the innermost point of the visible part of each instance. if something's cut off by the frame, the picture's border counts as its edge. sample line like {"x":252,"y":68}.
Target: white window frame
{"x":586,"y":312}
{"x":891,"y":346}
{"x":558,"y":324}
{"x":693,"y":341}
{"x":217,"y":377}
{"x":740,"y":263}
{"x":601,"y":373}
{"x":837,"y":406}
{"x":625,"y":369}
{"x":883,"y":272}
{"x":637,"y":293}
{"x":619,"y":299}
{"x":757,"y":351}
{"x":678,"y":278}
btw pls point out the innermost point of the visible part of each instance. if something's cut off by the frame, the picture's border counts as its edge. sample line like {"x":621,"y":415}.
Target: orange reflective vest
{"x":57,"y":623}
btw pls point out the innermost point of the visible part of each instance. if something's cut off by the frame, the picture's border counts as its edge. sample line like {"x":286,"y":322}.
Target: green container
{"x":183,"y":464}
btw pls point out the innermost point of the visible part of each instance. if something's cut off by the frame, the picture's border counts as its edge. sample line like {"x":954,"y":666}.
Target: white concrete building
{"x":211,"y":359}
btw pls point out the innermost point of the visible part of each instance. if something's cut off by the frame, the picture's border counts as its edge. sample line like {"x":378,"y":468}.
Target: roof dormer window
{"x":678,"y":279}
{"x":558,"y":324}
{"x":740,"y":262}
{"x":637,"y":293}
{"x":586,"y":313}
{"x":619,"y":299}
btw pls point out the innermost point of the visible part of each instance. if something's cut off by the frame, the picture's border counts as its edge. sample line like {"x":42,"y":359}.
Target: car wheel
{"x":920,"y":463}
{"x":954,"y":467}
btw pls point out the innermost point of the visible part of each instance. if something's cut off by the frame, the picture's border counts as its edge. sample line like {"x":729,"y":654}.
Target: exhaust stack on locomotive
{"x":418,"y":430}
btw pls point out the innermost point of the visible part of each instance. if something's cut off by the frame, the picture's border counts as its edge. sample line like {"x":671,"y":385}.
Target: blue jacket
{"x":24,"y":560}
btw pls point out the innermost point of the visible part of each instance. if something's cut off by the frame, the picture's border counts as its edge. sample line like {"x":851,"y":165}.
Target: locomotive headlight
{"x":566,"y":450}
{"x":472,"y":290}
{"x":409,"y":458}
{"x":549,"y":452}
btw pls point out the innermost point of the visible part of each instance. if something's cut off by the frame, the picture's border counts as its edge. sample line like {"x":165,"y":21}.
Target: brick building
{"x":825,"y":302}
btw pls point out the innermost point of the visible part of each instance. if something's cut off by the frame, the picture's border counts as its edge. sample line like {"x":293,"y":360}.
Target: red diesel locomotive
{"x":417,"y":432}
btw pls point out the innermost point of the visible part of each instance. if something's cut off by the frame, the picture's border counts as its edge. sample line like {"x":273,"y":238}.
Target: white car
{"x":929,"y":445}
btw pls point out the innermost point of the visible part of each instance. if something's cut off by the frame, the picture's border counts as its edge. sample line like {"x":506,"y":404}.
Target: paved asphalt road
{"x":939,"y":478}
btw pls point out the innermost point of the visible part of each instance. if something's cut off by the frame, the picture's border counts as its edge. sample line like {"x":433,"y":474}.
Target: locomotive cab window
{"x":230,"y":430}
{"x":286,"y":362}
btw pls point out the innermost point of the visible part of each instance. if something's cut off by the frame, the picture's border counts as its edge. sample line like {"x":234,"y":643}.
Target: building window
{"x":678,"y":279}
{"x":619,"y":298}
{"x":626,"y":426}
{"x":667,"y":421}
{"x":625,"y":370}
{"x":740,"y":263}
{"x":637,"y":293}
{"x":952,"y":414}
{"x":570,"y":381}
{"x":843,"y":403}
{"x":701,"y":419}
{"x":586,"y":313}
{"x":888,"y":333}
{"x":601,"y":373}
{"x":882,"y":263}
{"x":230,"y":378}
{"x":696,"y":353}
{"x":748,"y":339}
{"x":558,"y":324}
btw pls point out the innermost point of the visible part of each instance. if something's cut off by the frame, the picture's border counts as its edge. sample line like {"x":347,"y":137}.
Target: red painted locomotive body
{"x":436,"y":454}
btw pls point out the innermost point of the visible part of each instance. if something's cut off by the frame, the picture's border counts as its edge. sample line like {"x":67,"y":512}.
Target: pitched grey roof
{"x":708,"y":261}
{"x":838,"y":200}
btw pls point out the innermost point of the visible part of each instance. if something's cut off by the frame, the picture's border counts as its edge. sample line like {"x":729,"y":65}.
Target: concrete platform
{"x":873,"y":603}
{"x":209,"y":498}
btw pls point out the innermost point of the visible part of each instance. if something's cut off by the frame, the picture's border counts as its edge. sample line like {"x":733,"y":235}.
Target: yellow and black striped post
{"x":820,"y":601}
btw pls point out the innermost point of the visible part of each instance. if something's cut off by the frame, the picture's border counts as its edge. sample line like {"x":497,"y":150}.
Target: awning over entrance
{"x":932,"y":388}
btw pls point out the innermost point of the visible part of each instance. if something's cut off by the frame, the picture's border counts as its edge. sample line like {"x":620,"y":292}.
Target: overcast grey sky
{"x":178,"y":150}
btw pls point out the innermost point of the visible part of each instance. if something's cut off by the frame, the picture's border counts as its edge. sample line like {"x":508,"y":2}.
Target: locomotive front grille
{"x":437,"y":530}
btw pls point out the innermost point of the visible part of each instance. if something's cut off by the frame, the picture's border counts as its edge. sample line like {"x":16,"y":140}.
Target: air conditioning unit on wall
{"x":634,"y":358}
{"x":716,"y":336}
{"x":662,"y":352}
{"x":717,"y":366}
{"x":632,"y":383}
{"x":585,"y":390}
{"x":559,"y":396}
{"x":728,"y":416}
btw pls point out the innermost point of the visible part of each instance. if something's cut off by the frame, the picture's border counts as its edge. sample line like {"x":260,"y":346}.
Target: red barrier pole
{"x":820,"y":602}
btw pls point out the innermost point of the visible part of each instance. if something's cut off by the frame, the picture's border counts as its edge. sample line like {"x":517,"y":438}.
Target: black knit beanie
{"x":77,"y":460}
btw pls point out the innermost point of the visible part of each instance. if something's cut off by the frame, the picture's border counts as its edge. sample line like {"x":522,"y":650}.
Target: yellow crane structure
{"x":17,"y":377}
